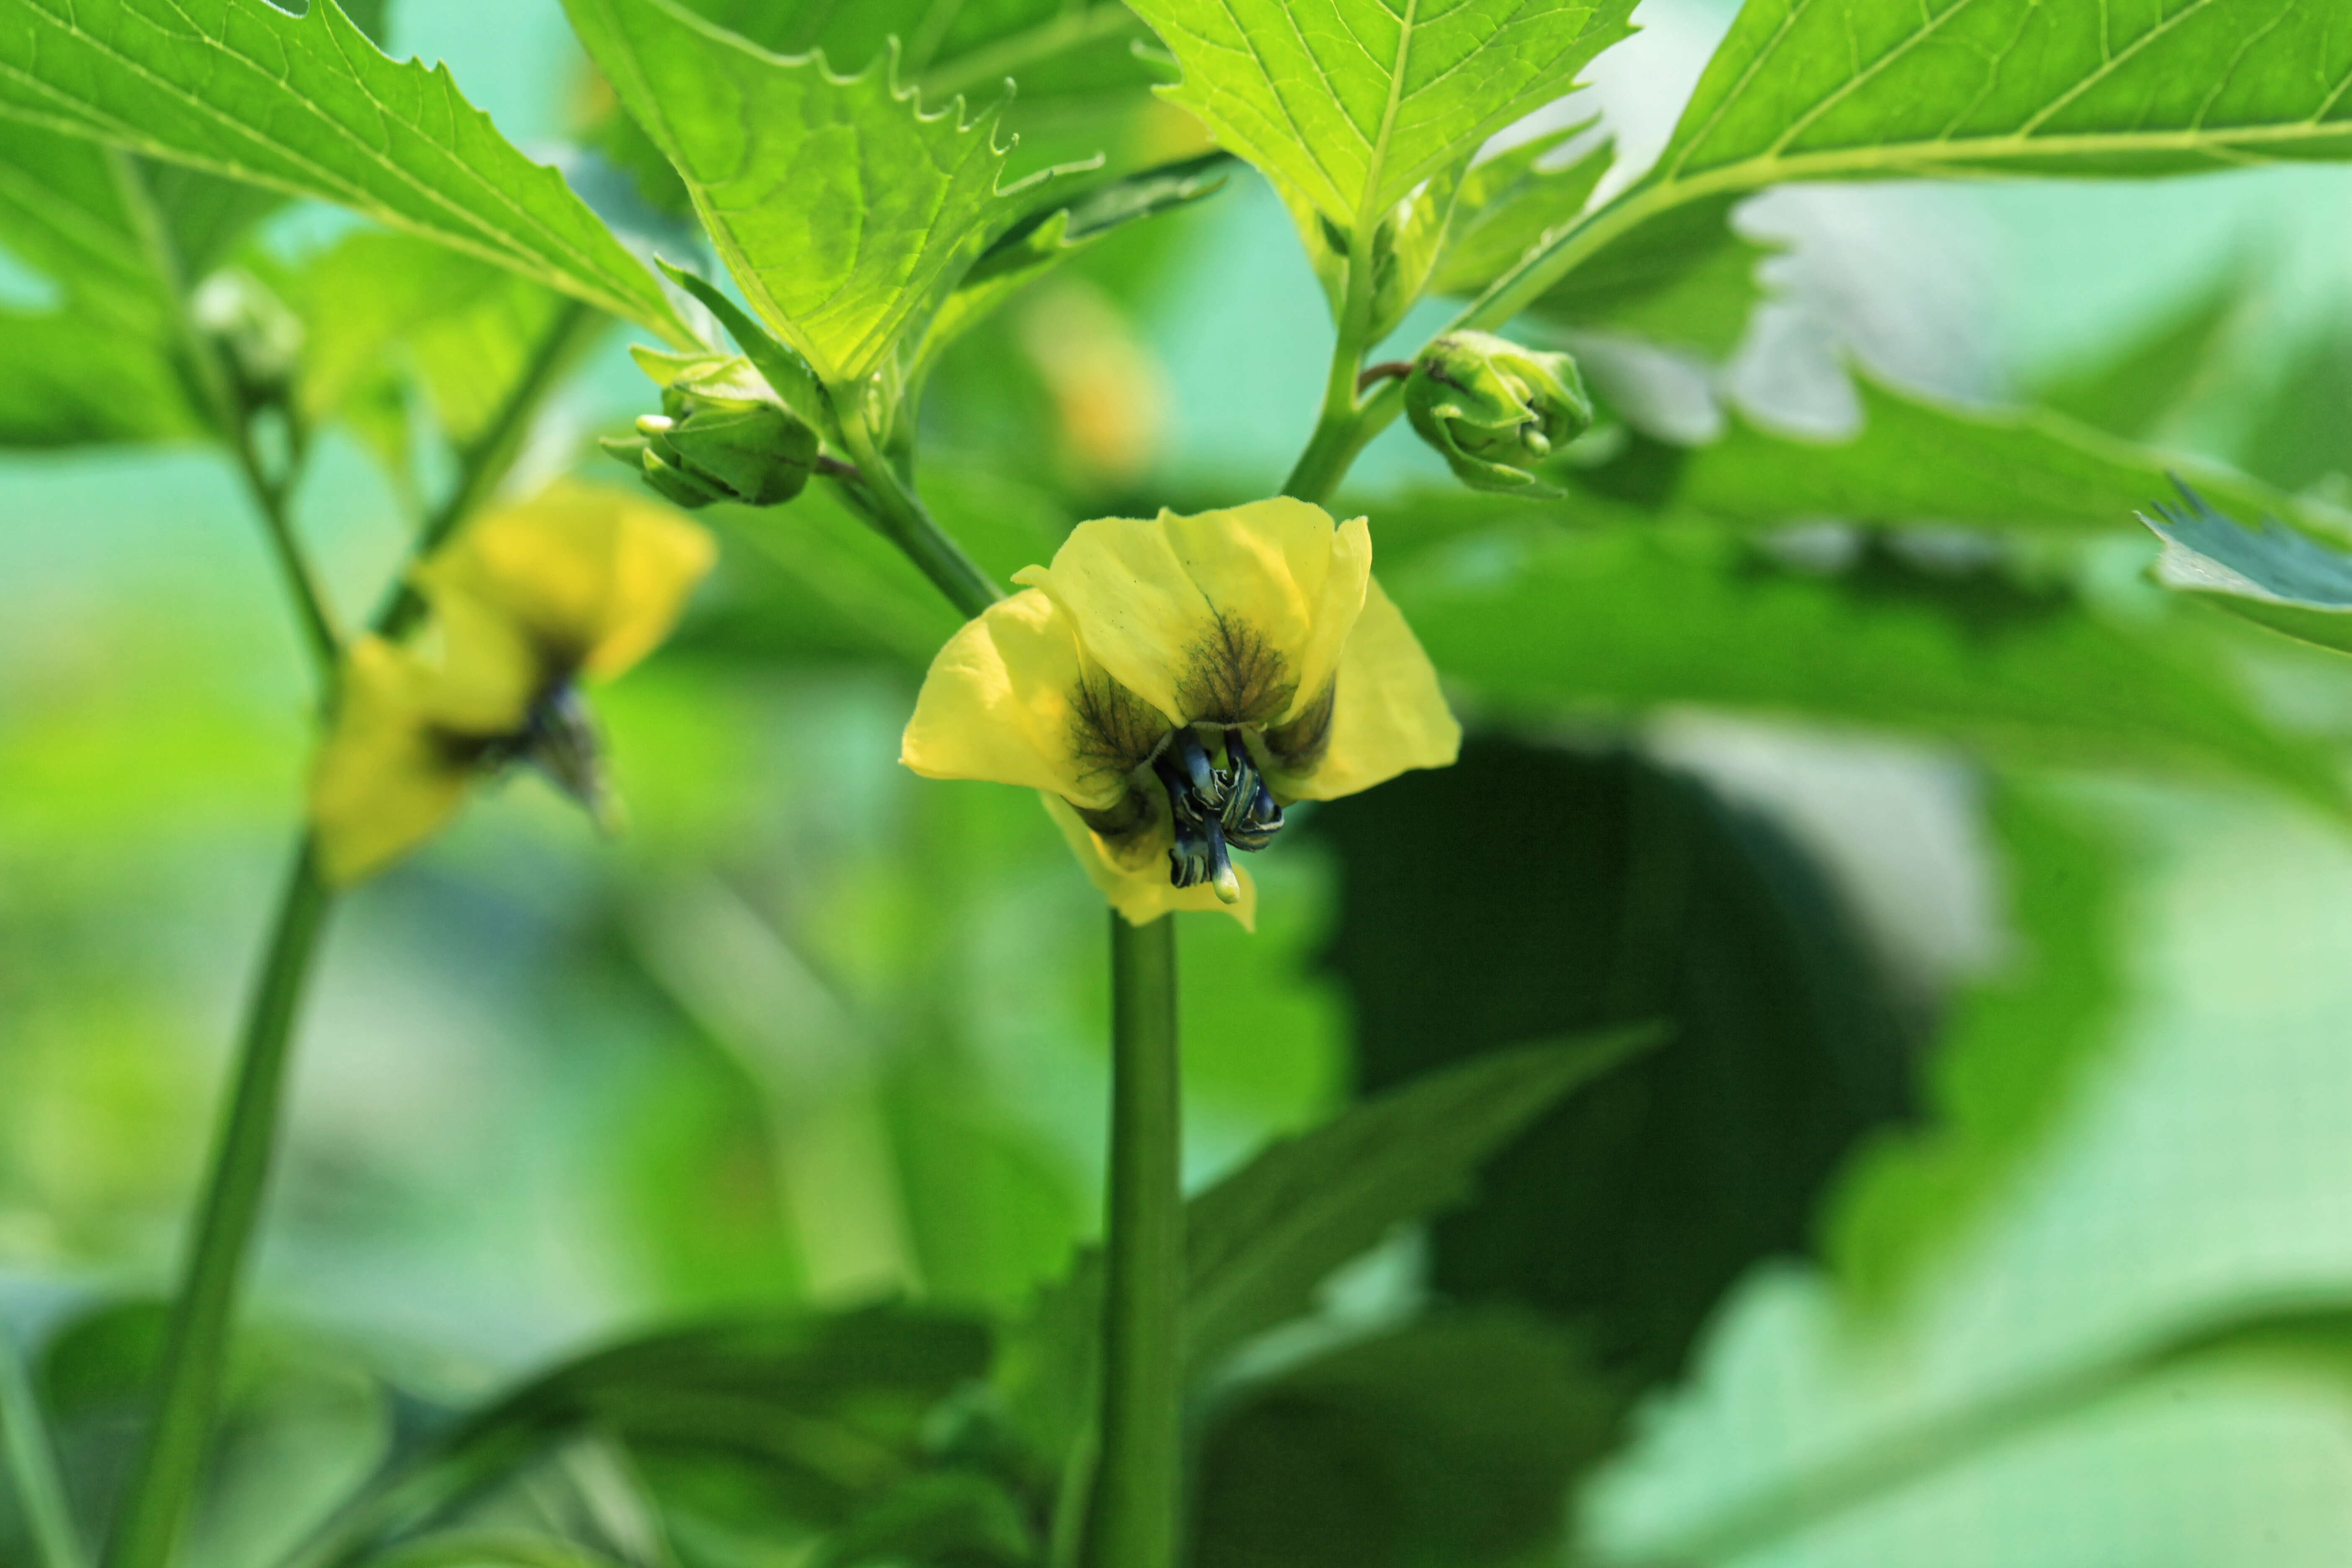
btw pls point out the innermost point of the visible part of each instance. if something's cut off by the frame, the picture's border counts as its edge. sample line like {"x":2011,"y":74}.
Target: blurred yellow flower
{"x":1169,"y":684}
{"x":524,"y":603}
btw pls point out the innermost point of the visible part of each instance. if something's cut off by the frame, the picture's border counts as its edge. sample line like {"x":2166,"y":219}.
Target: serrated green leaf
{"x":1259,"y":1242}
{"x":842,"y":210}
{"x":308,"y":105}
{"x":1846,"y":88}
{"x":2272,"y":575}
{"x":1346,"y":105}
{"x":1618,"y":622}
{"x":1079,"y":73}
{"x":1842,"y":89}
{"x":1919,"y":460}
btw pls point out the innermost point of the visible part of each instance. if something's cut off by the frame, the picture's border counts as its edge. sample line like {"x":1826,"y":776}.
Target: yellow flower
{"x":524,"y":603}
{"x":1169,"y":685}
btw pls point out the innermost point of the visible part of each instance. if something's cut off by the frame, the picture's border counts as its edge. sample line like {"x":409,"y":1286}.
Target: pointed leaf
{"x":307,"y":104}
{"x":1346,"y":105}
{"x":1260,"y":1241}
{"x":844,"y":211}
{"x":1050,"y":237}
{"x":2271,"y":575}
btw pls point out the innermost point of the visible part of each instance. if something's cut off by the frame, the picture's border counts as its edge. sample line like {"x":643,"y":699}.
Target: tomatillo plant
{"x":836,"y":189}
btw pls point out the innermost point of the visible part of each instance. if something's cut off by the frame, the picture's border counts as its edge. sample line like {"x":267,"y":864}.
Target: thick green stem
{"x":1137,"y":1485}
{"x":32,"y":1465}
{"x":896,"y":511}
{"x":188,"y":1380}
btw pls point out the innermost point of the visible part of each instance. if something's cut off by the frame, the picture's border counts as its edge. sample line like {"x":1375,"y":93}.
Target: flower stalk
{"x":1139,"y":1483}
{"x":188,"y":1380}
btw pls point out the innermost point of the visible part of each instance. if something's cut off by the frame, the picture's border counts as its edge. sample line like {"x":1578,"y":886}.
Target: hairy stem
{"x":32,"y":1465}
{"x":188,"y":1380}
{"x":1138,"y":1484}
{"x":900,"y":515}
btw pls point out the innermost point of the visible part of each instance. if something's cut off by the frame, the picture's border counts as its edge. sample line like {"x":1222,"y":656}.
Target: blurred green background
{"x":1992,"y":1061}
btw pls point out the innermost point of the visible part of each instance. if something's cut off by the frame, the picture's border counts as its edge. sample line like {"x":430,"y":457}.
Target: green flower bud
{"x":258,"y":340}
{"x":722,"y":435}
{"x":1495,"y":409}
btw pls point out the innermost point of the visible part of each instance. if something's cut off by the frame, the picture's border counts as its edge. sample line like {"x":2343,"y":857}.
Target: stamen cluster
{"x":1215,"y":808}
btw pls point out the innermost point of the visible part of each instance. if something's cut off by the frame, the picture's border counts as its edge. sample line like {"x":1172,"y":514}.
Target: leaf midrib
{"x":78,"y":117}
{"x":1377,"y":156}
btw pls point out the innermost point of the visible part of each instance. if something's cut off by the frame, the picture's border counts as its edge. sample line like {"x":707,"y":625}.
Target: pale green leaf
{"x":2306,"y":1335}
{"x":308,"y":105}
{"x":2272,"y":575}
{"x":1920,"y":460}
{"x":1687,"y":280}
{"x":2012,"y":1050}
{"x":1842,"y":88}
{"x":844,"y":211}
{"x":1346,"y":105}
{"x":97,"y":366}
{"x":1508,"y":204}
{"x":466,"y":331}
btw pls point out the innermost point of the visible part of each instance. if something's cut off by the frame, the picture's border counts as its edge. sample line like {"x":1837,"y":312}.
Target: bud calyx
{"x":722,"y":435}
{"x":1495,"y":409}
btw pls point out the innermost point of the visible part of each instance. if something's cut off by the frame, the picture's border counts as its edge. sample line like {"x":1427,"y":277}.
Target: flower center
{"x":1215,"y":808}
{"x":559,"y":738}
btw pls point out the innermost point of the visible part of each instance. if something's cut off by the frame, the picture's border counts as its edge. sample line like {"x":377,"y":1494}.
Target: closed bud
{"x":1495,"y":409}
{"x":257,"y":338}
{"x":722,"y":435}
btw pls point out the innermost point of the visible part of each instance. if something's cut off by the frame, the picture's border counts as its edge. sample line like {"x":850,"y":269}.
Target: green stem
{"x":188,"y":1380}
{"x":896,"y":511}
{"x":1139,"y":1482}
{"x":483,"y":464}
{"x":302,"y":586}
{"x":1340,"y":430}
{"x":32,"y":1465}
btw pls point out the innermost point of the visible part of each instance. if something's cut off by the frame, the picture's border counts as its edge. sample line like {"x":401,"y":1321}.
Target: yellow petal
{"x":1232,"y":616}
{"x":476,"y":670}
{"x":595,"y":577}
{"x":1387,"y":713}
{"x":386,"y":780}
{"x":1012,"y":699}
{"x":1138,"y":888}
